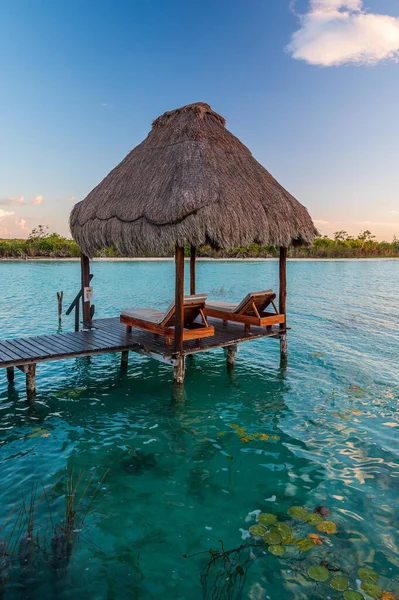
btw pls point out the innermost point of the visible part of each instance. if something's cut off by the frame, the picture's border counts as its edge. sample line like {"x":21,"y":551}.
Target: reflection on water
{"x":187,"y":466}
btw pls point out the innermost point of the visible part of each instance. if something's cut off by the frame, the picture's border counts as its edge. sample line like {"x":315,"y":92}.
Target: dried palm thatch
{"x":190,"y":180}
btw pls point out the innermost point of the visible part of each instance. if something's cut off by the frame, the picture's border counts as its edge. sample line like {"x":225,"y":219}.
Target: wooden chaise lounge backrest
{"x":192,"y":306}
{"x":260,"y":299}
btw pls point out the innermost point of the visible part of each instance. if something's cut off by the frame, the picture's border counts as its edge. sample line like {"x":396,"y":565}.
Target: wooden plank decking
{"x":109,"y":335}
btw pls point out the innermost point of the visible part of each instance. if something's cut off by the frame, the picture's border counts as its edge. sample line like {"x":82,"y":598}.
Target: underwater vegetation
{"x":41,"y":532}
{"x":301,"y":541}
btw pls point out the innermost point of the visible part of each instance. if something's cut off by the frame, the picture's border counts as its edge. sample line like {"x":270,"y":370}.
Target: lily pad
{"x":257,"y":530}
{"x":352,"y":595}
{"x":298,"y":512}
{"x":327,"y":527}
{"x":318,"y":573}
{"x":273,"y":538}
{"x":339,"y":583}
{"x":285,"y":531}
{"x":372,"y":590}
{"x":282,"y":528}
{"x":368,"y":574}
{"x":324,"y":511}
{"x":266,"y":519}
{"x":304,"y":544}
{"x":314,"y":519}
{"x":277,"y":549}
{"x":316,"y":538}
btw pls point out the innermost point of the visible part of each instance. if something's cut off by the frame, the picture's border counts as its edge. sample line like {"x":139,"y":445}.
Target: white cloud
{"x":336,"y":32}
{"x":38,"y":200}
{"x":12,"y":201}
{"x":319,"y":222}
{"x":22,"y":225}
{"x":4,"y":213}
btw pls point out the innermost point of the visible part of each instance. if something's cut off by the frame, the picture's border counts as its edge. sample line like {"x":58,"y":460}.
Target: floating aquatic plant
{"x":287,"y":542}
{"x":339,"y":583}
{"x":368,"y":575}
{"x":266,"y":519}
{"x":327,"y":527}
{"x":318,"y":573}
{"x":257,"y":530}
{"x":298,"y":512}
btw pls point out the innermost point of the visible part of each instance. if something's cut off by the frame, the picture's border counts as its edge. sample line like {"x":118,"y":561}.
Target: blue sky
{"x":311,"y":87}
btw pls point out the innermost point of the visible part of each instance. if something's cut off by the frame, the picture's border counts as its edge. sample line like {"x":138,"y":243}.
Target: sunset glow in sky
{"x":310,"y":86}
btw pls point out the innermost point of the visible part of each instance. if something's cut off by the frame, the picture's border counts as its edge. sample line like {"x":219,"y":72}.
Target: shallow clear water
{"x":333,"y":414}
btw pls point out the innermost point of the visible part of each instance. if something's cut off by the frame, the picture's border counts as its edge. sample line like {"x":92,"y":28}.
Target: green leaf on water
{"x":277,"y":549}
{"x":273,"y":538}
{"x":327,"y":527}
{"x":282,"y":528}
{"x":304,"y":544}
{"x":352,"y":595}
{"x":285,"y":531}
{"x":266,"y":519}
{"x":257,"y":530}
{"x":298,"y":512}
{"x":314,"y":519}
{"x":367,"y":574}
{"x":339,"y":583}
{"x":318,"y":573}
{"x":372,"y":590}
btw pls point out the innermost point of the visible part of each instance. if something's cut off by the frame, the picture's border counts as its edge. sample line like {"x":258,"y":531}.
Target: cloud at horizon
{"x":338,"y":32}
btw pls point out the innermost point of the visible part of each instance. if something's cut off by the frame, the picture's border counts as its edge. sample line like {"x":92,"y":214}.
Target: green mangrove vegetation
{"x":43,"y":244}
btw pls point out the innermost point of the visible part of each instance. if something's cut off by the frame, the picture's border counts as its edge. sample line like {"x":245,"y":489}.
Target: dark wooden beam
{"x":193,"y":256}
{"x":283,"y":286}
{"x":283,"y":306}
{"x":179,"y":298}
{"x":85,"y":269}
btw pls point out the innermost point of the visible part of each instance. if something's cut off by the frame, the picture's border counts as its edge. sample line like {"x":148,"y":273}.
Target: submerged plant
{"x":29,"y":544}
{"x":225,"y":573}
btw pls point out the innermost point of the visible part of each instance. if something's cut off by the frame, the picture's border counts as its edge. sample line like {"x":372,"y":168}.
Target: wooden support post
{"x":283,"y":305}
{"x":193,"y":253}
{"x":179,"y":298}
{"x":60,"y":296}
{"x":124,"y":359}
{"x":85,"y":269}
{"x":178,"y":369}
{"x":283,"y":350}
{"x":10,"y":375}
{"x":31,"y":381}
{"x":231,"y":352}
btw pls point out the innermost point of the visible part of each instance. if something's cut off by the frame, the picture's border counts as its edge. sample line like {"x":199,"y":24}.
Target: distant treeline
{"x":41,"y":243}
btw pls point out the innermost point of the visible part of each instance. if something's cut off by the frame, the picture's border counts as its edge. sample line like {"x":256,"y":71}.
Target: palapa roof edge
{"x":190,"y":180}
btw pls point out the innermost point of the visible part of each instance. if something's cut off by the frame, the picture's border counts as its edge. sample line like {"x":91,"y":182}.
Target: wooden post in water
{"x":193,"y":253}
{"x":60,"y":296}
{"x":179,"y":313}
{"x":231,"y":352}
{"x":31,"y":381}
{"x":283,"y":305}
{"x":85,"y":269}
{"x":10,"y":375}
{"x":124,"y":359}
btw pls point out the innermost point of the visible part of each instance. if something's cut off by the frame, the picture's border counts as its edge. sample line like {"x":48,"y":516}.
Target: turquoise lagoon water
{"x":333,"y":415}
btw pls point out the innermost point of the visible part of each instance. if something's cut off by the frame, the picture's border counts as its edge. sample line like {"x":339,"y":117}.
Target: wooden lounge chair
{"x":250,"y":311}
{"x":163,"y":323}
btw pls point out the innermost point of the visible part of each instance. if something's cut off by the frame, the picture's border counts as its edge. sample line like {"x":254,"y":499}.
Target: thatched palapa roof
{"x":190,"y":180}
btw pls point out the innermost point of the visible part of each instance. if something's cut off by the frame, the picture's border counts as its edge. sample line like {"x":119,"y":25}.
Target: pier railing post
{"x":283,"y":304}
{"x":193,"y":253}
{"x":179,"y":312}
{"x":85,"y":269}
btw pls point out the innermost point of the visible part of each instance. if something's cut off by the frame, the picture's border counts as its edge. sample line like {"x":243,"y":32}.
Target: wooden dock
{"x":109,"y":335}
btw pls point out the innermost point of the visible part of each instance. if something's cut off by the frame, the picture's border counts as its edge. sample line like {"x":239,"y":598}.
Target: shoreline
{"x":199,"y":259}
